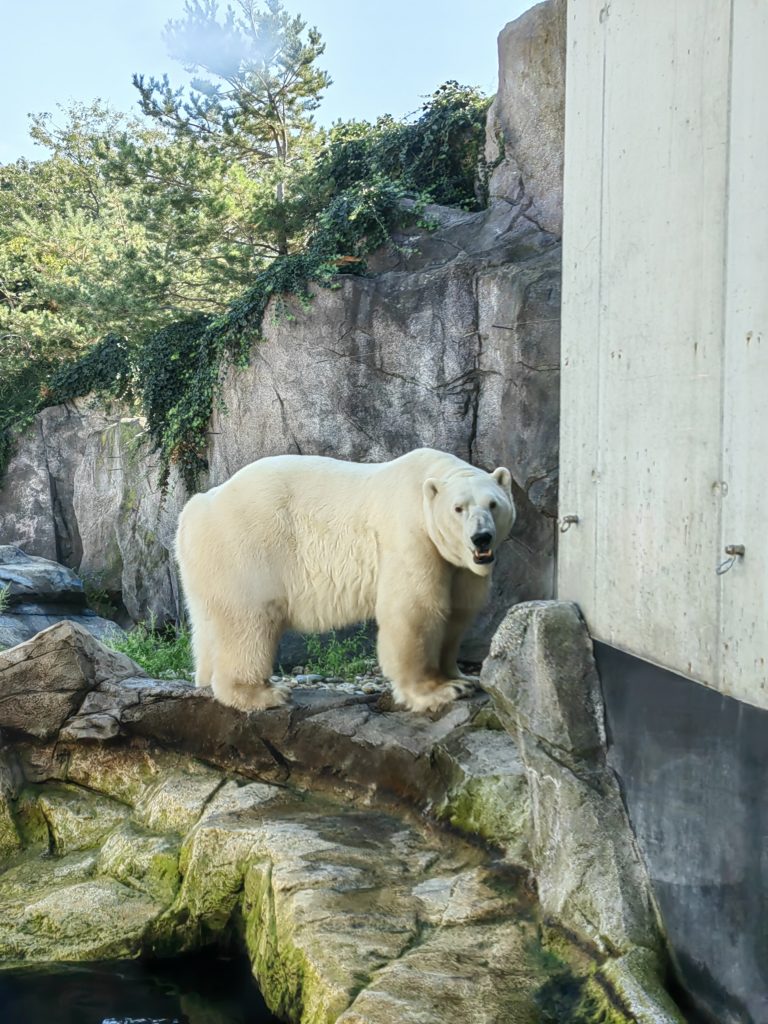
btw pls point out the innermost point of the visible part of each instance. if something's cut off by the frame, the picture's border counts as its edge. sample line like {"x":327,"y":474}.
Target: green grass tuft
{"x":344,"y":658}
{"x":162,"y":653}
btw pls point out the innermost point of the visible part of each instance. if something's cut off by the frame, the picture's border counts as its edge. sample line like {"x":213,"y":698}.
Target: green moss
{"x":10,"y":840}
{"x":582,"y":990}
{"x":494,"y":808}
{"x":124,"y":773}
{"x":212,"y":863}
{"x":631,"y":987}
{"x":143,"y":861}
{"x":78,"y":819}
{"x":290,"y":986}
{"x":30,"y":819}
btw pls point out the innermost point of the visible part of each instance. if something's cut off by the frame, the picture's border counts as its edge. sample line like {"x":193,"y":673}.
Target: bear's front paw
{"x":249,"y":697}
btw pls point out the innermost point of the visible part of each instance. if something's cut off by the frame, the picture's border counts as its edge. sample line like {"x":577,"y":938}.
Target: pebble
{"x":371,"y":682}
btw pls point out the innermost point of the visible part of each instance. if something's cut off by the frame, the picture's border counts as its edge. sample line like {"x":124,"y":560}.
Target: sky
{"x":383,"y":56}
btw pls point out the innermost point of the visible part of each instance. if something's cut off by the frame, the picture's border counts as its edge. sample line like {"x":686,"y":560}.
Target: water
{"x":190,"y":990}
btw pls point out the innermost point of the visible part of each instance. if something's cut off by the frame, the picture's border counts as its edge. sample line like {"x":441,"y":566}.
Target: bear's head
{"x":468,"y":514}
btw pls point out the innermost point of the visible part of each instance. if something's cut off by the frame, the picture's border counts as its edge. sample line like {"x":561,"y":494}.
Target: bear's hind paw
{"x":250,"y":697}
{"x":432,"y":699}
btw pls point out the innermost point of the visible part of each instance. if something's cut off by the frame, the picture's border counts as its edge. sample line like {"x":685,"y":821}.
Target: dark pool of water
{"x":190,"y":990}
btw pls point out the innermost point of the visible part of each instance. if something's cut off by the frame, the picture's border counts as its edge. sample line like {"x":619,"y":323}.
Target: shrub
{"x":440,"y":154}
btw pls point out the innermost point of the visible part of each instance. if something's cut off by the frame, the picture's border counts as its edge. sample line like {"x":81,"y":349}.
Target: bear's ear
{"x":503,"y":478}
{"x":431,"y":487}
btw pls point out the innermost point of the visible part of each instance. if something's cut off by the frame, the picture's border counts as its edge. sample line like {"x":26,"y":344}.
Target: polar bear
{"x":313,"y":543}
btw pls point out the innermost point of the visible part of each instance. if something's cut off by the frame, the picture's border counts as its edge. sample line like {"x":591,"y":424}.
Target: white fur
{"x":312,"y":544}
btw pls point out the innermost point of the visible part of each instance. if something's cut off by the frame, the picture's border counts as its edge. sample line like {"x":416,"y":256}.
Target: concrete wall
{"x":665,"y":333}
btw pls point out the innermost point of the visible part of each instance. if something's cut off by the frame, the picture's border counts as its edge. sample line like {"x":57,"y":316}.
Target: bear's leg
{"x":468,"y":595}
{"x":203,"y":643}
{"x":456,"y":627}
{"x":409,"y":655}
{"x":245,"y":653}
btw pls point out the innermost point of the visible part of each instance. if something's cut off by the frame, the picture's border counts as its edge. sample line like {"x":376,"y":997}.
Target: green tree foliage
{"x":83,"y":255}
{"x":256,"y":85}
{"x":138,"y":259}
{"x":61,"y":232}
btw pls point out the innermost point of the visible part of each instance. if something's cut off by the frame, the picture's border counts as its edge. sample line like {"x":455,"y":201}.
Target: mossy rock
{"x":10,"y":839}
{"x":78,"y":819}
{"x":143,"y":861}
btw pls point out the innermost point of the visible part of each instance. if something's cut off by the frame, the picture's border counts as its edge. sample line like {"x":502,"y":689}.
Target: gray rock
{"x":11,"y":781}
{"x":487,"y":789}
{"x":40,"y":593}
{"x":542,"y":677}
{"x":44,"y":680}
{"x":442,"y":977}
{"x":87,"y":919}
{"x":29,"y":578}
{"x":23,"y":624}
{"x":126,"y":524}
{"x":525,"y":125}
{"x":77,"y":820}
{"x":589,"y":873}
{"x":37,"y":499}
{"x":26,"y":510}
{"x":104,"y":514}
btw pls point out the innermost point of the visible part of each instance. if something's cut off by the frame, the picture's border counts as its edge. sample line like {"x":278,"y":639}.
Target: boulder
{"x":545,"y":688}
{"x":37,"y":593}
{"x":28,"y":578}
{"x":44,"y":680}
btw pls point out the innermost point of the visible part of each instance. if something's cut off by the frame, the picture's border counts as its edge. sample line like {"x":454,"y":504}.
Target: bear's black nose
{"x":482,"y":540}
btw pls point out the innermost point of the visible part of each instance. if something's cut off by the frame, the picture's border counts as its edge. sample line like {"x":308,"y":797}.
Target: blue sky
{"x":383,"y":56}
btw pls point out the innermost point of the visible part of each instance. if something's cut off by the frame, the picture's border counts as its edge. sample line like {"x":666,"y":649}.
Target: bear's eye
{"x":492,"y":504}
{"x":458,"y":508}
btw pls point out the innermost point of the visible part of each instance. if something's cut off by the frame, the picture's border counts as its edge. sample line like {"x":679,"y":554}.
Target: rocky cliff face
{"x":451,"y":341}
{"x":524,"y":133}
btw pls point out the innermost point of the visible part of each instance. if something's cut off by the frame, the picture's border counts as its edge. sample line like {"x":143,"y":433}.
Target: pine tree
{"x":251,"y":101}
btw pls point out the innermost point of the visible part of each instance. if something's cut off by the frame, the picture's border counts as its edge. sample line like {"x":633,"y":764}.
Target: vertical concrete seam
{"x":604,"y":19}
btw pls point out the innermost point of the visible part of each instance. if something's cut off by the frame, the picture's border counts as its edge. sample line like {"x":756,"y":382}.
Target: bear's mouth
{"x":483,"y":556}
